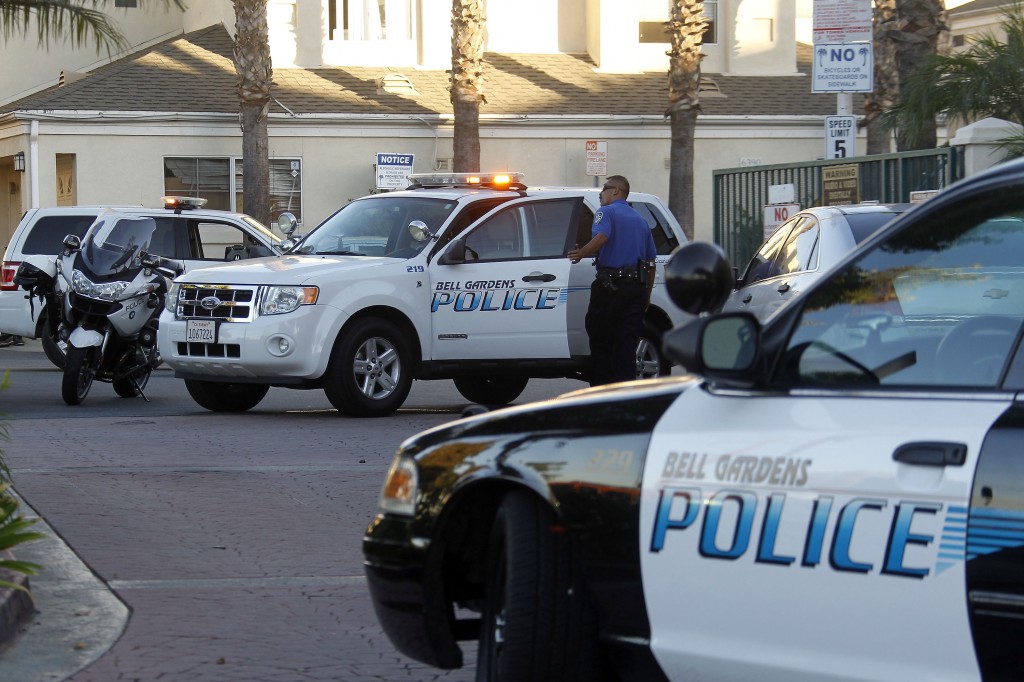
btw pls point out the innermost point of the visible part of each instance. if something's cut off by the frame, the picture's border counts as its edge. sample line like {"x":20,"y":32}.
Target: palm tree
{"x":986,"y":79}
{"x":919,"y":23}
{"x":467,"y":83}
{"x":886,"y":85}
{"x":255,"y":73}
{"x":78,"y":23}
{"x":686,"y":29}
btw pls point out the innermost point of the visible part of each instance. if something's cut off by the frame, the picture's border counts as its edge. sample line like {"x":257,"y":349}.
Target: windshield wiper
{"x":339,"y":253}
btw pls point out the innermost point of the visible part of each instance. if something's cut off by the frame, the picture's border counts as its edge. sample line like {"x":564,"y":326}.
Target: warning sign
{"x":597,"y":157}
{"x":393,"y":170}
{"x":840,"y":185}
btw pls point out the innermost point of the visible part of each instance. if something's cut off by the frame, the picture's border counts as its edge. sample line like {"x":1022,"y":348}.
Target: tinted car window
{"x":800,"y":251}
{"x":664,"y":242}
{"x":47,"y":235}
{"x":863,"y":225}
{"x":938,"y":304}
{"x":763,"y":265}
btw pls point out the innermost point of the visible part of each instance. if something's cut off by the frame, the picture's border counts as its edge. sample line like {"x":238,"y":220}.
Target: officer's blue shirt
{"x":629,"y":236}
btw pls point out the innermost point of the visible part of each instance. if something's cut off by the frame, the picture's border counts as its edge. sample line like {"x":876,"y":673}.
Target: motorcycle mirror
{"x":419,"y":231}
{"x":72,"y":242}
{"x":287,"y":223}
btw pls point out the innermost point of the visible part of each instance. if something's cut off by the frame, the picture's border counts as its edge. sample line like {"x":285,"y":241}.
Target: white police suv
{"x":835,"y":495}
{"x":463,"y":277}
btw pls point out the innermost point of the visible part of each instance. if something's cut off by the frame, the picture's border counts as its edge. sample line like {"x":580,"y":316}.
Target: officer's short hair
{"x":621,"y":181}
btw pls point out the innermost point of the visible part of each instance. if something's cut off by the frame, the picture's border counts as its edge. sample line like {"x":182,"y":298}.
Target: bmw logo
{"x":210,"y":303}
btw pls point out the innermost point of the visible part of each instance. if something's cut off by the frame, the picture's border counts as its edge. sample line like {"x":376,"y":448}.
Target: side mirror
{"x":699,"y":278}
{"x":72,"y":243}
{"x":454,"y":254}
{"x":724,"y":348}
{"x":419,"y":231}
{"x":287,"y":223}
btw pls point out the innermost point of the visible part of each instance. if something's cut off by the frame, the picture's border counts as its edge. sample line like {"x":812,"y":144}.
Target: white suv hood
{"x":290,"y":269}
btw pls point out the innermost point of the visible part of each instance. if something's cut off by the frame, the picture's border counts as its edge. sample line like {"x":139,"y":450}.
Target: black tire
{"x":491,"y":391}
{"x":650,"y":361}
{"x":371,"y":372}
{"x":79,"y":372}
{"x":54,"y":349}
{"x":225,"y":397}
{"x":538,"y":622}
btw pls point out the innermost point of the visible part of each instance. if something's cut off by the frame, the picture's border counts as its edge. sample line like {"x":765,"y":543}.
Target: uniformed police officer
{"x":621,"y":290}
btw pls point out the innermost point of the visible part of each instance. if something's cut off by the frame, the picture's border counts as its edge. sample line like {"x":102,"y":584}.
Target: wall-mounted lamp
{"x":19,"y":162}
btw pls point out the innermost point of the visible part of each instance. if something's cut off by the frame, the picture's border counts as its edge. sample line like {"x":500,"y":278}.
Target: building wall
{"x":338,"y":162}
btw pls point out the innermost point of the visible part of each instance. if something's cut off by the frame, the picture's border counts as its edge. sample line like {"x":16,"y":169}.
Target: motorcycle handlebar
{"x":171,"y":267}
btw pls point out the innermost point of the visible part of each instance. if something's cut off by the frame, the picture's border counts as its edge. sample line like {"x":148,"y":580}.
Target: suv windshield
{"x":377,"y":226}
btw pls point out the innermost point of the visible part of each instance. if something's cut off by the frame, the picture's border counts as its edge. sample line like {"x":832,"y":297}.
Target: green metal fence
{"x":742,"y":193}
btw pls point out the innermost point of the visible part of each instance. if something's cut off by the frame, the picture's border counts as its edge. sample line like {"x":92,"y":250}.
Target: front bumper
{"x":408,"y":593}
{"x":251,"y":351}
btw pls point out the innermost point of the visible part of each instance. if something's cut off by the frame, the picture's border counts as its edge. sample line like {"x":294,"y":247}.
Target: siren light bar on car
{"x":489,"y":180}
{"x":183,"y":203}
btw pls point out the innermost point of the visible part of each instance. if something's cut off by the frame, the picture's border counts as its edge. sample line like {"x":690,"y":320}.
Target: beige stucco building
{"x":357,"y":77}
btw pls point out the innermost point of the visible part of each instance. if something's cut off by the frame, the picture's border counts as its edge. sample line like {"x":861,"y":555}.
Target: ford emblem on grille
{"x":210,"y":303}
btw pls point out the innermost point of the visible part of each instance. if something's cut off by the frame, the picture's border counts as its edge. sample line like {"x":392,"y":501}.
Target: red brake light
{"x":7,"y":276}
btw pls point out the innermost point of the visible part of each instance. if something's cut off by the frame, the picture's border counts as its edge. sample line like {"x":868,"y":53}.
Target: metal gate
{"x":742,"y":193}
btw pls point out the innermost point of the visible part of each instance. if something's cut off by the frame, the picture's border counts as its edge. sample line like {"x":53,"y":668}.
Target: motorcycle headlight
{"x":398,"y":496}
{"x":105,"y":291}
{"x":171,"y":299}
{"x":286,"y":299}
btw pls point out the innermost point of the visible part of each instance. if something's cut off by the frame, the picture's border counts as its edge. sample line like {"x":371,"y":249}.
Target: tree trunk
{"x":686,"y":28}
{"x":919,"y":24}
{"x":467,"y":82}
{"x":886,"y":85}
{"x":255,"y":72}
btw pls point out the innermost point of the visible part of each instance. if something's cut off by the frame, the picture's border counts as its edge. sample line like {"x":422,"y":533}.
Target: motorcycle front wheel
{"x":79,"y":371}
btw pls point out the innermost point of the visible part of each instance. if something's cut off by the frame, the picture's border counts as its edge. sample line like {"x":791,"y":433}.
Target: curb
{"x":15,"y":605}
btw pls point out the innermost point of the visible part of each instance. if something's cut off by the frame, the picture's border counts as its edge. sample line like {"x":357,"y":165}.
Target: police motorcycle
{"x":110,"y":290}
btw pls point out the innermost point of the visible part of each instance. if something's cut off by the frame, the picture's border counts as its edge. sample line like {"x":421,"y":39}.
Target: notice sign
{"x":776,"y":214}
{"x":840,"y":185}
{"x":393,"y":170}
{"x":843,"y":68}
{"x":597,"y":157}
{"x":842,"y":21}
{"x":840,"y":136}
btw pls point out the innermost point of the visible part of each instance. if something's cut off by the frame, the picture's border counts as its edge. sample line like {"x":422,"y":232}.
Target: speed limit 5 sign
{"x":840,"y":137}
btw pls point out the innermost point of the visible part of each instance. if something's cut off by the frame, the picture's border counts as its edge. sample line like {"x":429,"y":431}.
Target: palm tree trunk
{"x":255,"y":72}
{"x":686,"y":28}
{"x":886,"y":85}
{"x":468,"y":22}
{"x":919,"y":24}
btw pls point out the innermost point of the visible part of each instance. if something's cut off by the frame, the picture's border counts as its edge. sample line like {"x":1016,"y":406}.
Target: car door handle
{"x":538,"y":277}
{"x":932,"y":454}
{"x":783,"y":288}
{"x":747,"y":298}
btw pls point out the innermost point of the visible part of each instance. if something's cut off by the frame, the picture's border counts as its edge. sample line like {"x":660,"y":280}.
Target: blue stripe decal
{"x":993,"y":530}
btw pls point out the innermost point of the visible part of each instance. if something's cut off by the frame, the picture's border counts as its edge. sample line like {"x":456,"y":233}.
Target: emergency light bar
{"x":183,"y":203}
{"x":488,"y":180}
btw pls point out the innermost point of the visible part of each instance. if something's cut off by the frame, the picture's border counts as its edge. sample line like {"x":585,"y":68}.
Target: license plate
{"x":201,"y":331}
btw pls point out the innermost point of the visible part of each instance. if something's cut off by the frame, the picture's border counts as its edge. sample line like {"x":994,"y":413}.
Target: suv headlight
{"x":171,"y":299}
{"x":105,"y":291}
{"x":398,"y":496}
{"x":286,"y":299}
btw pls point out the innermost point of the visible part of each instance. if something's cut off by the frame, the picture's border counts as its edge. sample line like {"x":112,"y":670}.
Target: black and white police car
{"x":838,"y":494}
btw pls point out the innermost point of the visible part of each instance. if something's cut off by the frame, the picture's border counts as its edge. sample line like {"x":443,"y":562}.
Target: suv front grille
{"x":227,"y":303}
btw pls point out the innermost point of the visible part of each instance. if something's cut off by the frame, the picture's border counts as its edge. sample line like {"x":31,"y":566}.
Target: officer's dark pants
{"x":614,"y":322}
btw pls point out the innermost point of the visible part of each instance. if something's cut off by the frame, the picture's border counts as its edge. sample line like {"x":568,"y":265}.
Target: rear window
{"x":863,"y":225}
{"x":47,"y":235}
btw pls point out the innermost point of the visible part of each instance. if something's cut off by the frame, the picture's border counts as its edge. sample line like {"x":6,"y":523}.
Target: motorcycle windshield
{"x":115,"y":243}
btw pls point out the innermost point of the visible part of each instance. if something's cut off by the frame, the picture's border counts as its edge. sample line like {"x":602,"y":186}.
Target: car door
{"x":826,"y":525}
{"x":507,"y":297}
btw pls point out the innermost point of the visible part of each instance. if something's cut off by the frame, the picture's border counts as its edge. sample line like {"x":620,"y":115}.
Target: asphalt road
{"x":188,"y":545}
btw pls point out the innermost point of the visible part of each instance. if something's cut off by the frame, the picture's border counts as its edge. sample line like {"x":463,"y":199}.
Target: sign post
{"x":392,"y":170}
